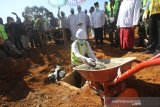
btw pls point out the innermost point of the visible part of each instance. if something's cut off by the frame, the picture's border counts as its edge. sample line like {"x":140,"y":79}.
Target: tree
{"x":35,"y":11}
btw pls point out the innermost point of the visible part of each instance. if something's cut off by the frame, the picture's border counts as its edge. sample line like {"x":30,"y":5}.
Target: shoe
{"x":18,"y":56}
{"x":112,"y":45}
{"x":101,"y":44}
{"x":97,"y":45}
{"x":116,"y":45}
{"x":128,"y":50}
{"x":156,"y":52}
{"x":149,"y":51}
{"x":141,"y":45}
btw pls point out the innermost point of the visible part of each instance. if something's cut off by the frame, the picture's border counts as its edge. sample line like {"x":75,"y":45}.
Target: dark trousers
{"x":142,"y":33}
{"x":105,"y":30}
{"x":57,"y":34}
{"x":37,"y":38}
{"x":68,"y":33}
{"x":98,"y":35}
{"x":113,"y":34}
{"x":9,"y":48}
{"x":18,"y":42}
{"x":2,"y":54}
{"x":111,"y":29}
{"x":154,"y":33}
{"x":30,"y":34}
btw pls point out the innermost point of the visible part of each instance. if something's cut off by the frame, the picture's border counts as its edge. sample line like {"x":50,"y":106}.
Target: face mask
{"x":97,"y":8}
{"x":72,"y":12}
{"x":81,"y":42}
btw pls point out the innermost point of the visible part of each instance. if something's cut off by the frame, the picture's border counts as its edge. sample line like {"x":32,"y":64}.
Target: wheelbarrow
{"x":110,"y":81}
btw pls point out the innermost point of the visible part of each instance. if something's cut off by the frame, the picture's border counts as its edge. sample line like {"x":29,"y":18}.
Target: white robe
{"x":81,"y":18}
{"x":63,"y":22}
{"x":72,"y":26}
{"x":98,"y":19}
{"x":129,"y":13}
{"x":87,"y":21}
{"x":92,"y":30}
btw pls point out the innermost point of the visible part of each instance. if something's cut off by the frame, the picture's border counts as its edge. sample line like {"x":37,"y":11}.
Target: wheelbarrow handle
{"x":157,"y":56}
{"x":151,"y":62}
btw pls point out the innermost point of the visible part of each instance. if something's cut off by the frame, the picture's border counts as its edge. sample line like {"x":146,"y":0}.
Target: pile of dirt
{"x":11,"y":78}
{"x":22,"y":80}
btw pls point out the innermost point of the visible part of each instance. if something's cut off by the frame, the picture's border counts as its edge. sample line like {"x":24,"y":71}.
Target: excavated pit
{"x":75,"y":81}
{"x":72,"y":81}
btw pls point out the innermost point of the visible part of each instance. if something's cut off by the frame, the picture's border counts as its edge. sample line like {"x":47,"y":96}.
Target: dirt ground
{"x":22,"y":81}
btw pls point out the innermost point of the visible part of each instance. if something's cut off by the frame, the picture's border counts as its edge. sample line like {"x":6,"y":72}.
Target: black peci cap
{"x":105,"y":2}
{"x":1,"y":20}
{"x":96,"y":4}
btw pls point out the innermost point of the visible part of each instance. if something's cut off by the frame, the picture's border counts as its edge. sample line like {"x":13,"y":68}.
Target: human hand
{"x":134,"y":27}
{"x":1,"y":41}
{"x":91,"y":27}
{"x":118,"y":27}
{"x":144,"y":17}
{"x":90,"y":61}
{"x":80,"y":24}
{"x":14,"y":13}
{"x":97,"y":60}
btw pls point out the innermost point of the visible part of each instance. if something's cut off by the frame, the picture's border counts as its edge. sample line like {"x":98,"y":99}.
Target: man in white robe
{"x":87,"y":24}
{"x":128,"y":18}
{"x":81,"y":19}
{"x":92,"y":30}
{"x":72,"y":24}
{"x":64,"y":24}
{"x":97,"y":22}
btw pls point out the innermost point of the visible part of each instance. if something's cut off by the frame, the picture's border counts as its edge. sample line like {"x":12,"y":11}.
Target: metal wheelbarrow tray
{"x":108,"y":74}
{"x":117,"y":71}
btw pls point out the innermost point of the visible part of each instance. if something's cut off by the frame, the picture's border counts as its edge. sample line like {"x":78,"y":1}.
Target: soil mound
{"x":11,"y":78}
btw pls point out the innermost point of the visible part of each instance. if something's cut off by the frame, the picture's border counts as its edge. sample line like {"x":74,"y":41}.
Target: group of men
{"x":118,"y":19}
{"x":127,"y":19}
{"x":15,"y":36}
{"x":127,"y":15}
{"x":82,"y":21}
{"x":10,"y":38}
{"x":73,"y":22}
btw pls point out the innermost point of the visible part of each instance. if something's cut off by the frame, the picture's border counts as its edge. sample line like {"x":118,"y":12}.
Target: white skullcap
{"x":81,"y":34}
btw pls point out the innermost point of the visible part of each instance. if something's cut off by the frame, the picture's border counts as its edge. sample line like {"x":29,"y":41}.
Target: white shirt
{"x":72,"y":20}
{"x":87,"y":21}
{"x":72,"y":25}
{"x":98,"y":19}
{"x":81,"y":55}
{"x":81,"y":18}
{"x":92,"y":31}
{"x":63,"y":22}
{"x":129,"y":13}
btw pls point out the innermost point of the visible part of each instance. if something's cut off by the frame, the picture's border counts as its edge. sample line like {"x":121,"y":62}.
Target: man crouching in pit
{"x":81,"y":53}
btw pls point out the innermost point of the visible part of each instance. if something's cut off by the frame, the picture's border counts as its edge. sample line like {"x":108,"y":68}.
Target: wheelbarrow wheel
{"x":128,"y":92}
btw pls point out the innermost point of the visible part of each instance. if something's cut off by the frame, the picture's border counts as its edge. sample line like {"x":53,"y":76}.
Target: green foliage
{"x":36,"y":12}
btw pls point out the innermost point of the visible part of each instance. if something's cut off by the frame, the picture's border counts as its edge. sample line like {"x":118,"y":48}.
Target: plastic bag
{"x":57,"y":74}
